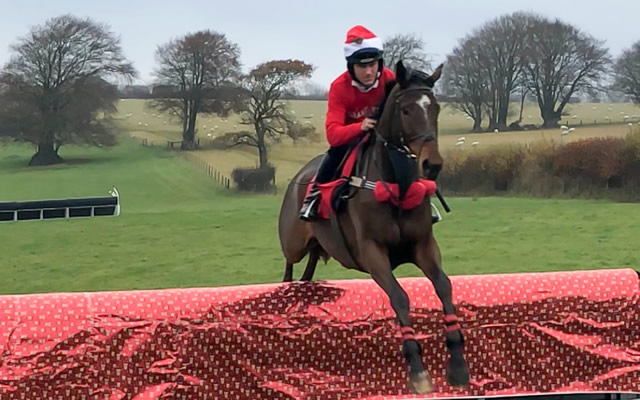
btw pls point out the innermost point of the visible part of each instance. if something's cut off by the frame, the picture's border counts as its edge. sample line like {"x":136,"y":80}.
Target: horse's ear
{"x":436,"y":74}
{"x":401,"y":72}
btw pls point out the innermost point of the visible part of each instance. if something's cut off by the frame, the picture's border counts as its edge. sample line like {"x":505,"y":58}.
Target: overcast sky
{"x":312,"y":31}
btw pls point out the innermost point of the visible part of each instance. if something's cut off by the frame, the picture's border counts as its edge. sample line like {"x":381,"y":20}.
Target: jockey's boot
{"x":309,"y":209}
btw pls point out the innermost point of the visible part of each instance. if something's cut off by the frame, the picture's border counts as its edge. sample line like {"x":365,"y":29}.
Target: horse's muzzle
{"x":431,"y":171}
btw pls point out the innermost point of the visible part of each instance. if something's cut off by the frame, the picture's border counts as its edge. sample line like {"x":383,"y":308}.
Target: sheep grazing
{"x":475,"y":143}
{"x":459,"y":143}
{"x":496,"y":130}
{"x":564,"y":127}
{"x":572,"y":129}
{"x":462,"y":139}
{"x":564,"y":133}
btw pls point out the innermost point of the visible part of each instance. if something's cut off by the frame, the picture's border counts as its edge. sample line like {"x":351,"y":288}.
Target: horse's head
{"x":412,"y":113}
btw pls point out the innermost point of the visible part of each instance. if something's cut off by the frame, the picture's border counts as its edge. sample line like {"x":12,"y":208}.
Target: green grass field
{"x":177,"y":229}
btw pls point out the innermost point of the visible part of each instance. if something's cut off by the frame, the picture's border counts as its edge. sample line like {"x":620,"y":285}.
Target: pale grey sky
{"x":313,"y":31}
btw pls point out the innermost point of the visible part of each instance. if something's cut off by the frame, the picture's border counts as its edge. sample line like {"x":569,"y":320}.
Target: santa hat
{"x":360,"y":38}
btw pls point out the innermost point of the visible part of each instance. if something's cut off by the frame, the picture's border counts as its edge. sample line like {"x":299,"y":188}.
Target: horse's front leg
{"x":429,"y":261}
{"x":375,"y":259}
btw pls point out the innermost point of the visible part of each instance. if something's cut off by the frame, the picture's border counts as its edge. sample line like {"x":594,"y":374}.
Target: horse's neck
{"x":383,"y":164}
{"x":386,"y":124}
{"x":389,"y":166}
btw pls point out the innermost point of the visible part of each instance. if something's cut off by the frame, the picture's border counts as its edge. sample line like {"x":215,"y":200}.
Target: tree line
{"x":525,"y":54}
{"x":59,"y":87}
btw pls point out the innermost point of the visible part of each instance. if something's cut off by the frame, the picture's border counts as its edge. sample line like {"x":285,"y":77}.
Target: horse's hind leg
{"x":376,"y":260}
{"x":310,"y":269}
{"x":429,"y":261}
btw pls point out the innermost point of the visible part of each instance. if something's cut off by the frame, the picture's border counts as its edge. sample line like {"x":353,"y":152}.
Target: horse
{"x":375,"y":237}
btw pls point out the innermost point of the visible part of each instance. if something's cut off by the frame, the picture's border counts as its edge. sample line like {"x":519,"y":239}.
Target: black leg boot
{"x":309,"y":209}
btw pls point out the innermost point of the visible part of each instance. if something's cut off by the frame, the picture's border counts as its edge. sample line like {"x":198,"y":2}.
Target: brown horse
{"x":375,"y":237}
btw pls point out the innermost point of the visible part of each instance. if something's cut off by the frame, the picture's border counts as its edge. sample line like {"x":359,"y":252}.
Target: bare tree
{"x":627,"y":72}
{"x":265,"y":111}
{"x":502,"y":59}
{"x":466,"y":82}
{"x":408,"y":48}
{"x":54,"y":89}
{"x":195,"y":68}
{"x":561,"y":61}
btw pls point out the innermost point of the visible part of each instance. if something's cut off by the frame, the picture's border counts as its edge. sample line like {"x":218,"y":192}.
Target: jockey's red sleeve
{"x":337,"y":132}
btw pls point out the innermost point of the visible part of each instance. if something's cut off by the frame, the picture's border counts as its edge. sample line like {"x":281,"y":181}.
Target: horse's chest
{"x":410,"y":227}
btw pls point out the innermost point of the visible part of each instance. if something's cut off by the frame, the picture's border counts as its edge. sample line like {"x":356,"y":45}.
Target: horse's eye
{"x":405,"y":112}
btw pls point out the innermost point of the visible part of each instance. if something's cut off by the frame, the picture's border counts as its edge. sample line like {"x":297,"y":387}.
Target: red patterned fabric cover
{"x":525,"y":333}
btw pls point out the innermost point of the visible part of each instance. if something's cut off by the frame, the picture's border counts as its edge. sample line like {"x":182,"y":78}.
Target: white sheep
{"x":572,"y":129}
{"x":475,"y":143}
{"x":564,"y":127}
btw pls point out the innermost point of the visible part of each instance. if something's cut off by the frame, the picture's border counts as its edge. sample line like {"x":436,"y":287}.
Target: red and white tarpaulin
{"x":562,"y":332}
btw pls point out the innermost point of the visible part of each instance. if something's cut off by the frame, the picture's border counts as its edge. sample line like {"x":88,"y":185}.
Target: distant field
{"x":140,"y":122}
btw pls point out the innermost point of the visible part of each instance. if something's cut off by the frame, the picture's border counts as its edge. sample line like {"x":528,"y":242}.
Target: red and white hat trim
{"x":359,"y":38}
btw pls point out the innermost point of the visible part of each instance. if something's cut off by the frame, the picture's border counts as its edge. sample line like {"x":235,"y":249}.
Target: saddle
{"x":335,"y":194}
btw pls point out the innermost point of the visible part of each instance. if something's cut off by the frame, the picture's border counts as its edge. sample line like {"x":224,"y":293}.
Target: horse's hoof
{"x":458,"y":373}
{"x":420,"y":383}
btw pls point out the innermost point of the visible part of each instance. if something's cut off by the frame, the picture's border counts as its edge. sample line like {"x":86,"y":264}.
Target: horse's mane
{"x":387,"y":90}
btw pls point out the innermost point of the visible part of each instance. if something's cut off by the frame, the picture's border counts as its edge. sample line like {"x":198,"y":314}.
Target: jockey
{"x":353,"y":97}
